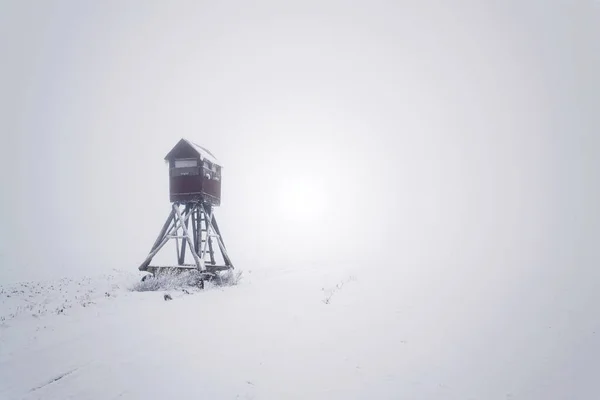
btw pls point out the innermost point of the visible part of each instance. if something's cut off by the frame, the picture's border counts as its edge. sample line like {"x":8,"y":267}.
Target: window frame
{"x":195,"y":160}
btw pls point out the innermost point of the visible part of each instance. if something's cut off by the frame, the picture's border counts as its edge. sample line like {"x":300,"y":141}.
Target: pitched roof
{"x":203,"y":152}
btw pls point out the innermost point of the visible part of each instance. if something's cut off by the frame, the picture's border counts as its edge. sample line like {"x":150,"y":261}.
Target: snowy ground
{"x":300,"y":333}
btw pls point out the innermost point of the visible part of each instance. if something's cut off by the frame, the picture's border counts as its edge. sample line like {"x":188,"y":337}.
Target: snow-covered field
{"x":309,"y":333}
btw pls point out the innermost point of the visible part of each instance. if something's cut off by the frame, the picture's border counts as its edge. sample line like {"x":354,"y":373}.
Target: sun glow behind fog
{"x":300,"y":201}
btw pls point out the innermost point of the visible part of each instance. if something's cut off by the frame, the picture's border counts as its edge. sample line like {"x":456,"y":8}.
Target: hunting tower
{"x":194,"y":191}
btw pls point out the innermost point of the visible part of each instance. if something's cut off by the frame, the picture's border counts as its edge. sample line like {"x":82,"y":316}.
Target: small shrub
{"x":228,"y":278}
{"x":182,"y":280}
{"x":164,"y":281}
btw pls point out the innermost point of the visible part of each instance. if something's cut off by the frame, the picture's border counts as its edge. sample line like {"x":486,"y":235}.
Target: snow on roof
{"x":204,"y":152}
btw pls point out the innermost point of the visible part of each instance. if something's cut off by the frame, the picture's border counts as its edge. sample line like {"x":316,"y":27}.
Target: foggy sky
{"x":464,"y":128}
{"x":453,"y":143}
{"x":452,"y":133}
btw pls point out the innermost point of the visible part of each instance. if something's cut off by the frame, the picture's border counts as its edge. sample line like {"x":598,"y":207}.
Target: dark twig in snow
{"x":56,"y":378}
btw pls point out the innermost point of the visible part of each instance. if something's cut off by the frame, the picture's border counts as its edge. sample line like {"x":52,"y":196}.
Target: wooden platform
{"x":187,"y":267}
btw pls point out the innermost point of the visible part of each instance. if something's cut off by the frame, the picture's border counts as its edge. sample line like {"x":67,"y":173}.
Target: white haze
{"x":450,"y":144}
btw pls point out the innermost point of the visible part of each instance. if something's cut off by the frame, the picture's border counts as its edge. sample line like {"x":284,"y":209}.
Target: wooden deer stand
{"x":195,"y":189}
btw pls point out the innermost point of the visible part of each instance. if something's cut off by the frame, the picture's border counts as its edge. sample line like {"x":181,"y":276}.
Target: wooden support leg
{"x":224,"y":252}
{"x":206,"y":229}
{"x":199,"y":220}
{"x":194,"y":228}
{"x":159,"y":239}
{"x":208,"y":235}
{"x":201,"y":238}
{"x":181,"y":255}
{"x":164,"y":229}
{"x":177,"y":222}
{"x":211,"y":252}
{"x":199,"y":263}
{"x":215,"y":226}
{"x":177,"y":254}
